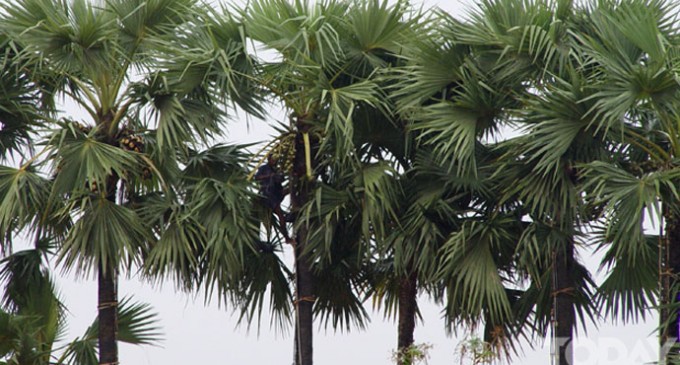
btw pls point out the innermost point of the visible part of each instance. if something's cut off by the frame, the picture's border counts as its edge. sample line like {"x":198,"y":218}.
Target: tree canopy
{"x":471,"y":161}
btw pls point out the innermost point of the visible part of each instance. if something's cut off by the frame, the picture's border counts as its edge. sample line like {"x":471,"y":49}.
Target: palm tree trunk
{"x":301,"y":188}
{"x":304,"y":306}
{"x":408,"y":305}
{"x":670,"y":267}
{"x":296,"y":356}
{"x":108,"y":297}
{"x":108,"y":316}
{"x":563,"y":292}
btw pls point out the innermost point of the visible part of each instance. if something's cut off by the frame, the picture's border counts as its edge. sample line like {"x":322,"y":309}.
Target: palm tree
{"x":558,"y":136}
{"x":323,"y":73}
{"x":631,"y":49}
{"x":510,"y":64}
{"x":600,"y":91}
{"x":80,"y":189}
{"x":440,"y":192}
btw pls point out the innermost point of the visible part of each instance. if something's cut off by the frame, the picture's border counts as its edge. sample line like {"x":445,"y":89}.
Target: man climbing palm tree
{"x":272,"y":191}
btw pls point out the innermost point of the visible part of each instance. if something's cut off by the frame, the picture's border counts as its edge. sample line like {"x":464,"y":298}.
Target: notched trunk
{"x":301,"y":188}
{"x":108,"y":316}
{"x":563,"y":294}
{"x":304,"y":301}
{"x":669,"y":271}
{"x":108,"y":297}
{"x":408,"y":307}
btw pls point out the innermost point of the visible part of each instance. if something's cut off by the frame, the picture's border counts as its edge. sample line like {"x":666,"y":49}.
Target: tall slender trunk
{"x":296,"y":355}
{"x":108,"y":316}
{"x":304,"y":306}
{"x":669,"y":252}
{"x":108,"y":295}
{"x":301,"y":188}
{"x":408,"y":305}
{"x":563,"y":296}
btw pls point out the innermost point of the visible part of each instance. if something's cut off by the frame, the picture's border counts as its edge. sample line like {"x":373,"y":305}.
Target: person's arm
{"x":261,"y":177}
{"x":263,"y":173}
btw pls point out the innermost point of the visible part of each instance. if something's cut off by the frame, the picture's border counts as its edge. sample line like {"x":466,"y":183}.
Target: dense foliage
{"x":465,"y":160}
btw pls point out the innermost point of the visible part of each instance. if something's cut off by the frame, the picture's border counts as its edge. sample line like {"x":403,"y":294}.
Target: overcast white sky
{"x":200,"y":334}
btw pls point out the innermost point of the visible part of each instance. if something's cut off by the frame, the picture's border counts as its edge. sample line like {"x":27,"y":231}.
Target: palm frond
{"x":74,"y":37}
{"x":178,"y":249}
{"x":526,"y":38}
{"x":337,"y":303}
{"x":627,"y":199}
{"x":83,"y":162}
{"x":178,"y":119}
{"x":378,"y":31}
{"x":449,"y":128}
{"x":471,"y":272}
{"x":629,"y":290}
{"x":24,"y":194}
{"x":432,"y":72}
{"x":342,"y":102}
{"x":209,"y":55}
{"x":137,"y":325}
{"x":628,"y":46}
{"x":264,"y":272}
{"x":19,"y":101}
{"x":301,"y":31}
{"x":141,"y":20}
{"x":29,"y":293}
{"x":105,"y":235}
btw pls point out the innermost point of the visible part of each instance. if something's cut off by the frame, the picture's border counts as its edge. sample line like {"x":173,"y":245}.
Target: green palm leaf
{"x":19,"y":101}
{"x":471,"y":272}
{"x":82,"y":159}
{"x":30,"y":303}
{"x":101,"y":222}
{"x":627,"y":199}
{"x":265,"y":273}
{"x":178,"y":249}
{"x":137,"y":326}
{"x":629,"y":291}
{"x":24,"y":194}
{"x":212,"y":57}
{"x":302,"y":31}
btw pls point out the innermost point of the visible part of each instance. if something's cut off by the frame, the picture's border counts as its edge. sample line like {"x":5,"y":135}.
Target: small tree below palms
{"x":32,"y":318}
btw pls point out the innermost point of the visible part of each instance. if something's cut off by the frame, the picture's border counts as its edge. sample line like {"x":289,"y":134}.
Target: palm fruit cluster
{"x":645,"y":167}
{"x":284,"y":152}
{"x":132,"y":142}
{"x":92,"y":185}
{"x":83,"y":128}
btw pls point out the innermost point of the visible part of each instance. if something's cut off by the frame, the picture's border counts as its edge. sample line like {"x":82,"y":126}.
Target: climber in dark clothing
{"x":272,"y":191}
